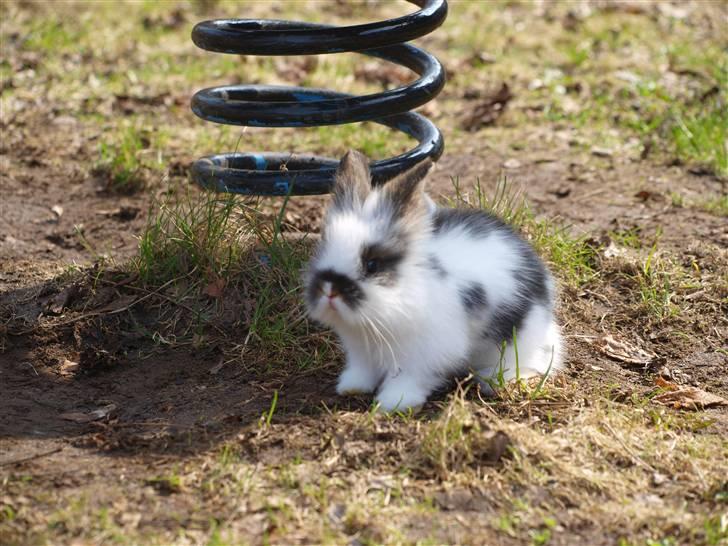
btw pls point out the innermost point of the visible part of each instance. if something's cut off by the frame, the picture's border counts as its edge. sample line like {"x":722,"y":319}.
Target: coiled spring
{"x":261,"y":173}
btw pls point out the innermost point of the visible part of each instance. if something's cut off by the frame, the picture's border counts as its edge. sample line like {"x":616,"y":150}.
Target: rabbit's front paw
{"x":355,"y":380}
{"x":401,"y":396}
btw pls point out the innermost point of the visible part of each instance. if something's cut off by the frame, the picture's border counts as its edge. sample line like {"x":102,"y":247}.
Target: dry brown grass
{"x":226,"y":429}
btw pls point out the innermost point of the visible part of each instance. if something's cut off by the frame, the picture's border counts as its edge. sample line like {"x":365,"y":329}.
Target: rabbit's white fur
{"x":459,"y":277}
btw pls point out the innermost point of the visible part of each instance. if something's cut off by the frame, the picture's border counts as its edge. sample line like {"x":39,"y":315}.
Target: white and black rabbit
{"x":418,"y":293}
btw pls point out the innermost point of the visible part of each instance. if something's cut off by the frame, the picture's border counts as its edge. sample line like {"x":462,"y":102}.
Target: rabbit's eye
{"x":380,"y":261}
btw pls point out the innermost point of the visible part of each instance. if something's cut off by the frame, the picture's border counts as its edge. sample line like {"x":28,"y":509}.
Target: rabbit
{"x":418,"y":293}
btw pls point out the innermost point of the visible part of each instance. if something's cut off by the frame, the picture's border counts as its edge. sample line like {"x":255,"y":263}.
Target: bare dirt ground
{"x":125,"y":417}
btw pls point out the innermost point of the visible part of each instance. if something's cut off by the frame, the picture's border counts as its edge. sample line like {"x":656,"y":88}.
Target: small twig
{"x":170,"y":299}
{"x":31,"y":457}
{"x":101,"y":311}
{"x":597,"y":295}
{"x":663,"y":210}
{"x":138,"y":424}
{"x":581,"y":336}
{"x":587,"y":195}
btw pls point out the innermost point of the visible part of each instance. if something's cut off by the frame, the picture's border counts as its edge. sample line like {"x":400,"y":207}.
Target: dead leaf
{"x":613,"y":251}
{"x":125,"y":213}
{"x":295,"y":69}
{"x":337,"y":512}
{"x":488,"y":110}
{"x":166,"y":485}
{"x":571,"y":21}
{"x":685,"y":396}
{"x":700,"y":170}
{"x":601,"y":152}
{"x":215,"y":288}
{"x":665,"y":384}
{"x":117,"y":306}
{"x":63,"y":299}
{"x":674,"y":12}
{"x":623,"y":351}
{"x":480,"y":58}
{"x":630,"y":6}
{"x":561,"y":191}
{"x":168,"y":21}
{"x":217,"y":367}
{"x":68,"y":367}
{"x":95,"y":415}
{"x":198,"y":340}
{"x":495,"y":448}
{"x":388,"y":75}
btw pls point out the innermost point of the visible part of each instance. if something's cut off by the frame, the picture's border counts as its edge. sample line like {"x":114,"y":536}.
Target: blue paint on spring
{"x":275,"y":173}
{"x":305,"y":97}
{"x":282,"y":187}
{"x":260,"y":162}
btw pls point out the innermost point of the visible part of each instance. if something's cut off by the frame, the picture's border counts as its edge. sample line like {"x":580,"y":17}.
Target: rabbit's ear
{"x":352,"y":182}
{"x":406,"y":191}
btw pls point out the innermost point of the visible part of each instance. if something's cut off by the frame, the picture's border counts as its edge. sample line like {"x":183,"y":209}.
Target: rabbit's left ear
{"x":352,"y":182}
{"x":406,"y":191}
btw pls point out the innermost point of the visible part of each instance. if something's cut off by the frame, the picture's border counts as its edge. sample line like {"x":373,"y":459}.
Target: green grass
{"x":373,"y":140}
{"x":657,"y":279}
{"x":129,"y":156}
{"x":203,"y":254}
{"x":450,"y":442}
{"x":694,"y":126}
{"x":196,"y":233}
{"x":627,"y":237}
{"x":716,"y":205}
{"x":167,"y":484}
{"x":681,"y":118}
{"x":715,"y":530}
{"x":55,"y":35}
{"x":208,"y":244}
{"x":701,"y":137}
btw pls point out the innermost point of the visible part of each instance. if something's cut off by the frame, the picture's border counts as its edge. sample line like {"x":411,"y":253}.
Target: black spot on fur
{"x":436,"y":265}
{"x":531,"y":277}
{"x":532,"y":288}
{"x":476,"y":222}
{"x":473,"y":297}
{"x":387,"y":259}
{"x":349,"y":290}
{"x":506,"y":318}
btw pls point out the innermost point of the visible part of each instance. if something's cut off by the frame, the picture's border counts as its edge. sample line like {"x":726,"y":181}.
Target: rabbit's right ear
{"x":352,"y":182}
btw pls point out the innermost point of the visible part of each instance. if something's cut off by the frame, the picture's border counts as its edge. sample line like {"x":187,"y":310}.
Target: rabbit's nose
{"x":330,"y":290}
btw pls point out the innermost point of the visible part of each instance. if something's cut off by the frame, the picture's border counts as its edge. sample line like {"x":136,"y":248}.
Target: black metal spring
{"x":272,"y":173}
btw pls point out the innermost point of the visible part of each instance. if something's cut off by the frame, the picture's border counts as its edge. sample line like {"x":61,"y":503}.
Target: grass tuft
{"x":655,"y":281}
{"x":702,"y":137}
{"x":716,"y":205}
{"x":193,"y":234}
{"x":221,"y":247}
{"x":125,"y":158}
{"x":460,"y":439}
